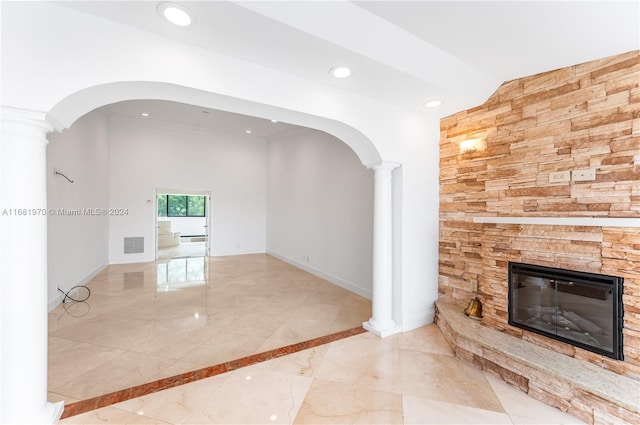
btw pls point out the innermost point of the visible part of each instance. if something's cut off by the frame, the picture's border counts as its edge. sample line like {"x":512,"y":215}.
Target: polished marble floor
{"x":408,"y":378}
{"x":148,"y":321}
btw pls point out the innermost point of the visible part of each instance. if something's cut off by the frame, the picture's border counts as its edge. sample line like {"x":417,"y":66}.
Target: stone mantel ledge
{"x":563,"y":221}
{"x":620,"y":391}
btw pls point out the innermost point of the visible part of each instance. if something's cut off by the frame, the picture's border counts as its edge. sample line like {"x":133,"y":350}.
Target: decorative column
{"x":381,"y":322}
{"x":23,"y":269}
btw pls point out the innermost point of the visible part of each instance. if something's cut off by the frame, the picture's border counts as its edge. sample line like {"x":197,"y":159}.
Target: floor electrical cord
{"x":79,"y":307}
{"x":67,"y":296}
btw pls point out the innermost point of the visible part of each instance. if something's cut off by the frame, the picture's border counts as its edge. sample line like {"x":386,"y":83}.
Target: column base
{"x":50,"y":414}
{"x":382,"y":333}
{"x":53,"y":412}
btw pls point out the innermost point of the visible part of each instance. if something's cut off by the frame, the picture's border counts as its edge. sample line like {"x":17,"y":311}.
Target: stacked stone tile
{"x":579,"y":117}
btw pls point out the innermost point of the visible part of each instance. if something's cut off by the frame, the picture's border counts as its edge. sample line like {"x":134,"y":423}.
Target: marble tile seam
{"x":105,"y":400}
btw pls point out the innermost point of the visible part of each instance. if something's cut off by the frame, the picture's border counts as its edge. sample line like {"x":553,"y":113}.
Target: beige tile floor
{"x":409,"y":378}
{"x":139,"y":330}
{"x":152,"y":320}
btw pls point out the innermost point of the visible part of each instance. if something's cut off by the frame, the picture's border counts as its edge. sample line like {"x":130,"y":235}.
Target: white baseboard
{"x":54,"y":302}
{"x":419,"y":319}
{"x":57,"y":300}
{"x":335,"y":280}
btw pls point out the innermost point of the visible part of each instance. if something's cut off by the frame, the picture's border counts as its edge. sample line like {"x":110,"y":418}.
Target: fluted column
{"x":381,"y":322}
{"x":23,"y":268}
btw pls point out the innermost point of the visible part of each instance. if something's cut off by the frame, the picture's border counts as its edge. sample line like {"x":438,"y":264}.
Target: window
{"x":162,"y":205}
{"x":181,"y":206}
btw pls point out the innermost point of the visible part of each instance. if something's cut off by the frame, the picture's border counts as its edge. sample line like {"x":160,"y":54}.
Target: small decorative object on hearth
{"x":474,"y":309}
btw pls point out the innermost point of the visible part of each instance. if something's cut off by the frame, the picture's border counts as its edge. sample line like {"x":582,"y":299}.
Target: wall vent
{"x":134,"y":245}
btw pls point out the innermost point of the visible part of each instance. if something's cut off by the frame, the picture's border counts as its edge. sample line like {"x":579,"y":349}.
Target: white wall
{"x":77,"y":244}
{"x":145,"y":156}
{"x":133,"y":65}
{"x":419,"y":228}
{"x":320,"y":208}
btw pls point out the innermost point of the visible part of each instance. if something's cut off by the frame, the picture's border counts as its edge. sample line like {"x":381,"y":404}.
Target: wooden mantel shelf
{"x":563,"y":221}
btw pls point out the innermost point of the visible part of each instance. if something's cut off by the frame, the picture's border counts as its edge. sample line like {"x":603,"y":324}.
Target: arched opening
{"x":74,"y":106}
{"x":68,"y":111}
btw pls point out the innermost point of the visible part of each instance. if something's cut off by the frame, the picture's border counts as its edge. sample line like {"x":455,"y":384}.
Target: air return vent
{"x":134,"y":245}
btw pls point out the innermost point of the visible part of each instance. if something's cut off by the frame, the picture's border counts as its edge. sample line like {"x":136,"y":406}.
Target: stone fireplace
{"x":523,"y":196}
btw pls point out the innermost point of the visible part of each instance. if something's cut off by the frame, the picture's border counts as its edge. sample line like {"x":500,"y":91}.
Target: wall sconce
{"x":472,"y":145}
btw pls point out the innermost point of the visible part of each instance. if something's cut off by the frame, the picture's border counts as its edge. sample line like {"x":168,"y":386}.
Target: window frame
{"x":186,"y":199}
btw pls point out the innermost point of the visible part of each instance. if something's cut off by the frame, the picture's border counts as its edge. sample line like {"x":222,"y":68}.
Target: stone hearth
{"x":591,"y":393}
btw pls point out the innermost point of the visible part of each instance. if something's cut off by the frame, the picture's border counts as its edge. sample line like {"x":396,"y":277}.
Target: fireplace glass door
{"x":583,"y":309}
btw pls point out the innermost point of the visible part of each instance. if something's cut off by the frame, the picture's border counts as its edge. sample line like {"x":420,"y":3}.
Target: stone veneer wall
{"x":579,"y":117}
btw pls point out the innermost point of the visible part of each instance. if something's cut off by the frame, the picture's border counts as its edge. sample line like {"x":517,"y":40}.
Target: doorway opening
{"x":182,"y":223}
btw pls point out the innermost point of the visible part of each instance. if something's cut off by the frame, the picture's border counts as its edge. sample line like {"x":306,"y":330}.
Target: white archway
{"x":51,"y":76}
{"x":23,"y":153}
{"x":69,"y":109}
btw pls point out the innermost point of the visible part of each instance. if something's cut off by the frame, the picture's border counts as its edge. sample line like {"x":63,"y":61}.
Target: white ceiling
{"x":402,"y":53}
{"x":190,"y":117}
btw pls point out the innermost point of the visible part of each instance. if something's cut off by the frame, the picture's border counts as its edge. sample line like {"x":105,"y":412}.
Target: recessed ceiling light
{"x":176,"y":14}
{"x":248,"y":131}
{"x":340,"y":71}
{"x":433,"y":103}
{"x":144,"y":114}
{"x":274,"y":120}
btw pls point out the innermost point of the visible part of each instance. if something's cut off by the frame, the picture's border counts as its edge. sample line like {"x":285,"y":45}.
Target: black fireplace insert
{"x":579,"y":308}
